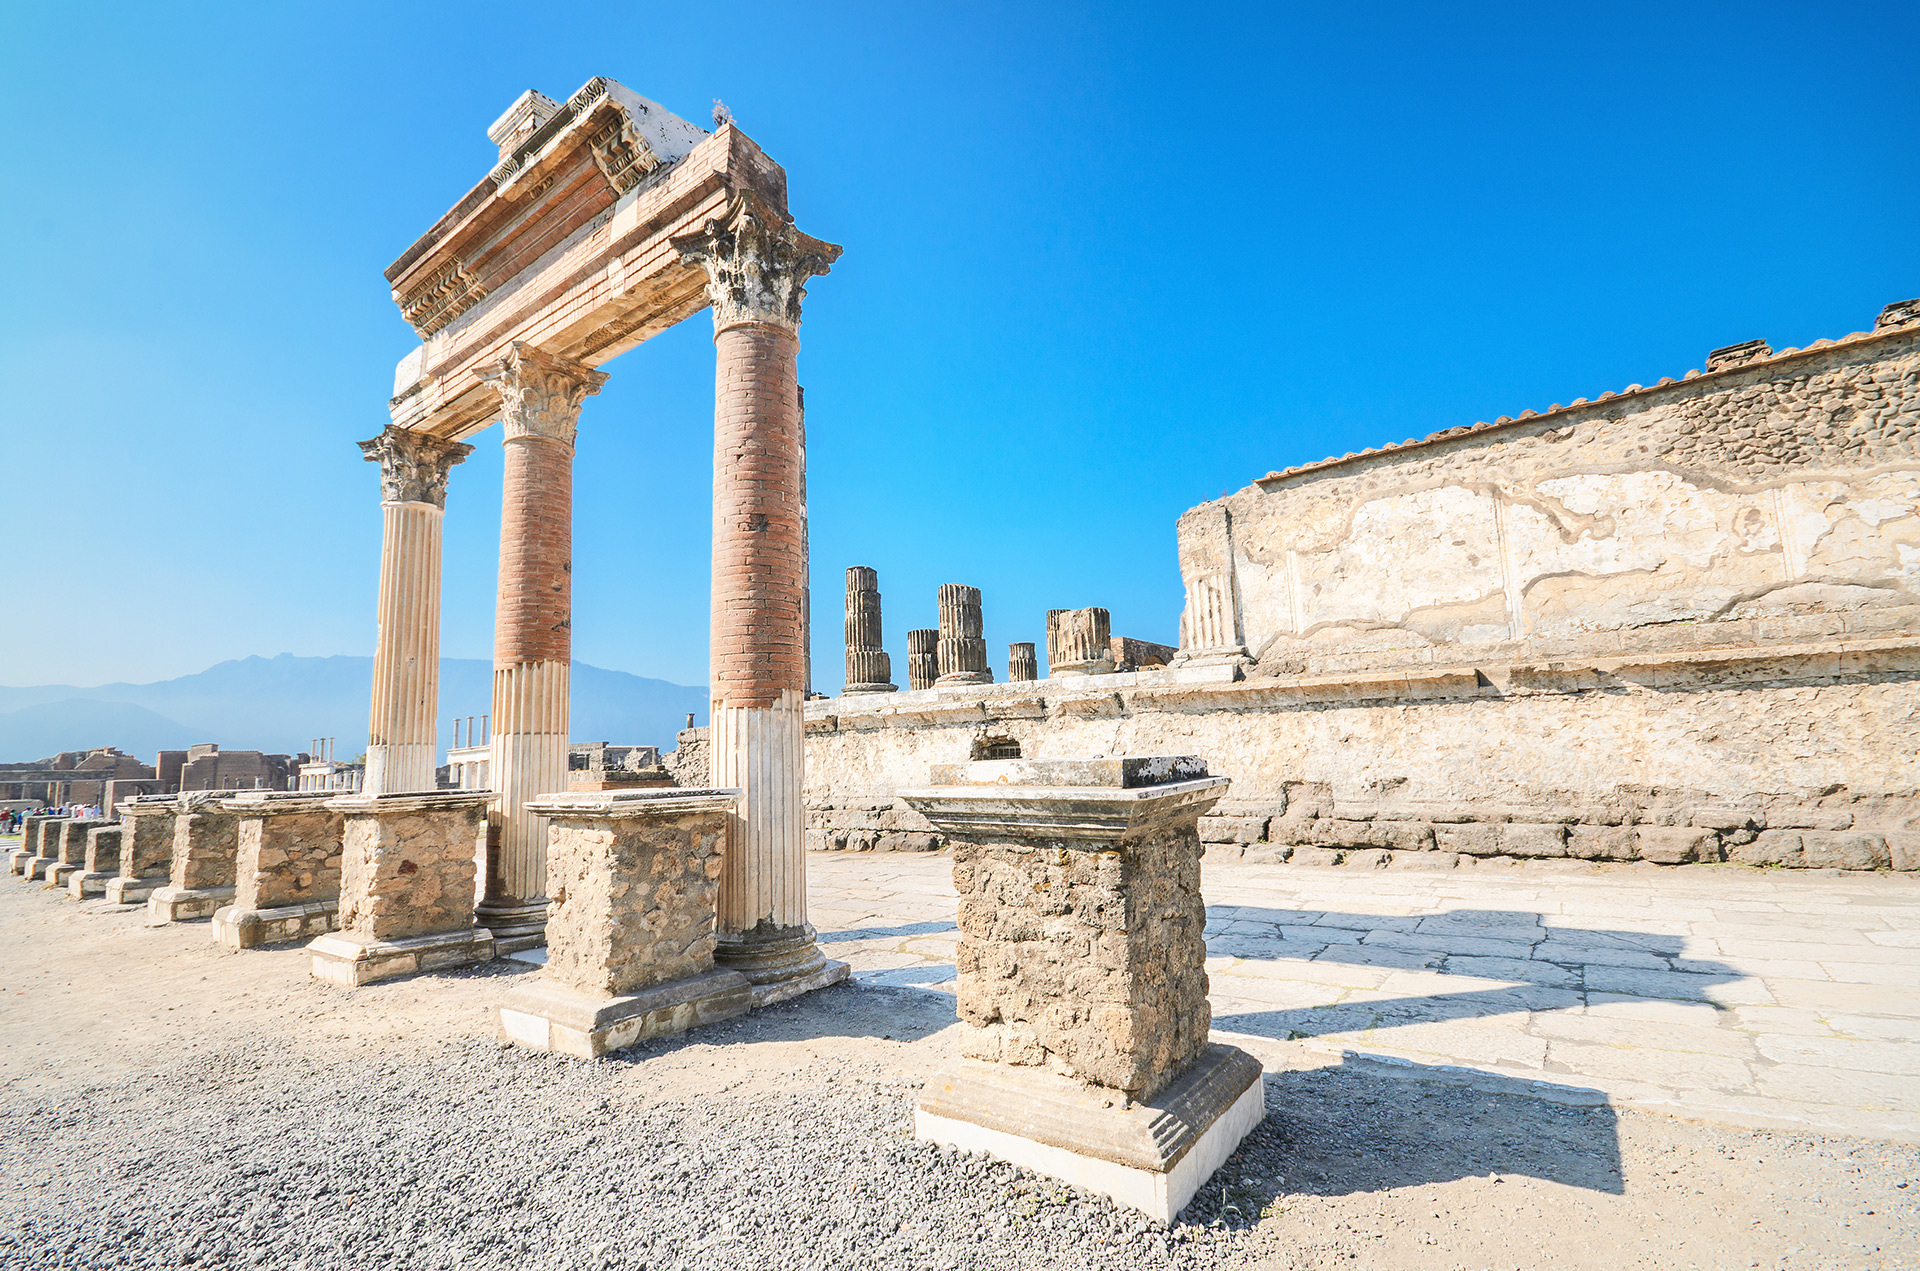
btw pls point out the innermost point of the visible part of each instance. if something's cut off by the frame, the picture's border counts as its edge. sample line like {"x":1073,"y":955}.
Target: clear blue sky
{"x":1102,"y":263}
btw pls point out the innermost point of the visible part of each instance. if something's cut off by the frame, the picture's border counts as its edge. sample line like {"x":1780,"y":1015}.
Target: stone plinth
{"x":1079,"y":642}
{"x":45,"y":842}
{"x":962,"y":651}
{"x":287,"y":876}
{"x":70,"y":850}
{"x":100,"y":864}
{"x":205,"y":846}
{"x":146,"y":847}
{"x":17,"y":860}
{"x":1022,"y":665}
{"x":407,"y":876}
{"x":1082,"y":989}
{"x":632,"y":886}
{"x":923,"y":657}
{"x":869,"y":669}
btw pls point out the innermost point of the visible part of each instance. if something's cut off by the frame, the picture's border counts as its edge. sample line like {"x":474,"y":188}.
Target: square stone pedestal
{"x":102,"y":862}
{"x":1082,"y":987}
{"x":70,"y":850}
{"x":146,"y":847}
{"x":632,"y":880}
{"x":407,"y":873}
{"x":205,"y":841}
{"x":19,"y":860}
{"x":287,"y":869}
{"x":44,"y":838}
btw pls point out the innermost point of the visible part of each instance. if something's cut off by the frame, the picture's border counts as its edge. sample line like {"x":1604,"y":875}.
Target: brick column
{"x":406,"y":658}
{"x":540,"y":397}
{"x":757,"y":264}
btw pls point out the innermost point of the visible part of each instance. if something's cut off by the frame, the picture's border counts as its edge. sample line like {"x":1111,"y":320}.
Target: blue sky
{"x":1103,"y":262}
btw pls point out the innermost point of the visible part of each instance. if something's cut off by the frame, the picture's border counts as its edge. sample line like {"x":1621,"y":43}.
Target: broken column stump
{"x":146,"y":847}
{"x":1082,"y":985}
{"x":287,"y":875}
{"x":633,"y":878}
{"x":205,"y":845}
{"x":407,"y":869}
{"x":101,"y":862}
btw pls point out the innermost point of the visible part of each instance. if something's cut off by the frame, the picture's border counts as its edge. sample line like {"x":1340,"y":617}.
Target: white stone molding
{"x":413,"y":466}
{"x":757,"y":264}
{"x":540,"y":392}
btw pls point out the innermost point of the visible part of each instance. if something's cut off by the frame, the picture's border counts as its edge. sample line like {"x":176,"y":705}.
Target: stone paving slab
{"x":1749,"y":997}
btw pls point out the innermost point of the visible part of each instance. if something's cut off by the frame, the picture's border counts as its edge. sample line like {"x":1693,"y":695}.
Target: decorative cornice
{"x":757,"y":264}
{"x":540,"y":393}
{"x":433,"y":304}
{"x":413,"y":466}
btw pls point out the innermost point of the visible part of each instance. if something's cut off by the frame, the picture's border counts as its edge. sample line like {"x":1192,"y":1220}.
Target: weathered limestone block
{"x":961,"y":651}
{"x":1079,"y":642}
{"x":146,"y":847}
{"x":1817,"y":849}
{"x":287,"y":876}
{"x":1022,"y":665}
{"x":18,"y":859}
{"x":869,"y":670}
{"x":1676,"y":845}
{"x":632,"y":883}
{"x":1082,"y":988}
{"x":206,"y":841}
{"x":407,"y":874}
{"x":102,"y":862}
{"x":70,"y":850}
{"x":43,"y":836}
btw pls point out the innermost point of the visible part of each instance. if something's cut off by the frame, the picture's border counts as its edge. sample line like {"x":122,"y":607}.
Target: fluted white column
{"x":401,"y":738}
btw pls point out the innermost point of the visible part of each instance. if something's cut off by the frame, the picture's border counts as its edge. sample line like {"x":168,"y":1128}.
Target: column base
{"x":89,"y":883}
{"x":779,"y":963}
{"x":549,"y":1017}
{"x":1092,"y":666}
{"x":184,"y":904}
{"x":122,"y":890}
{"x":869,"y":688}
{"x":351,"y":960}
{"x":514,"y":926}
{"x":1150,"y":1156}
{"x":964,"y":677}
{"x":58,"y":873}
{"x":251,"y":928}
{"x":39,"y":865}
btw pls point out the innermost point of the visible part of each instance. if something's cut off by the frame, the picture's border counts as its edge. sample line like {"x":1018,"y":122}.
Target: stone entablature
{"x":1774,"y":499}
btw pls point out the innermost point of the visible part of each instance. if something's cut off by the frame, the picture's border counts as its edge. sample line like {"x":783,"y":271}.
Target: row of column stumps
{"x":1078,"y":642}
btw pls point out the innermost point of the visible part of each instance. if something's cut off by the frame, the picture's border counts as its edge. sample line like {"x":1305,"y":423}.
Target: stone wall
{"x":1679,"y":623}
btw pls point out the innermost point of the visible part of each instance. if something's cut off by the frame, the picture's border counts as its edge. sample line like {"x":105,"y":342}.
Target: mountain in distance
{"x":280,"y":704}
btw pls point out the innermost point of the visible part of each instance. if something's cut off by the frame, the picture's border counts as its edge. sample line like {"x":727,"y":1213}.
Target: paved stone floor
{"x":1779,"y":999}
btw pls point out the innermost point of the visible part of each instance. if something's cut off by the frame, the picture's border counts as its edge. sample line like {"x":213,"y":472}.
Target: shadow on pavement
{"x":1355,"y":1128}
{"x":882,"y":933}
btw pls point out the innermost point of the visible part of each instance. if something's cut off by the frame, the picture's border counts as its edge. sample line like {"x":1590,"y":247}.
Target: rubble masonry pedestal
{"x":205,"y":842}
{"x":632,"y":884}
{"x":287,"y":871}
{"x":1082,"y":985}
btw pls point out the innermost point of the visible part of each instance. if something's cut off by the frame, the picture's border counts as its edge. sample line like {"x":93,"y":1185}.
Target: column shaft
{"x":406,"y":658}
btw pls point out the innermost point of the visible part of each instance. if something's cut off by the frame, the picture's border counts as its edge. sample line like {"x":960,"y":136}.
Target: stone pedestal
{"x":101,"y":864}
{"x":146,"y":847}
{"x":869,"y":669}
{"x":407,"y":875}
{"x":632,"y":883}
{"x":1082,"y":989}
{"x":962,"y":650}
{"x":287,"y":874}
{"x":46,"y":846}
{"x":1079,"y":642}
{"x":18,"y":860}
{"x":1022,"y":665}
{"x":205,"y":847}
{"x":69,"y":849}
{"x":923,"y":658}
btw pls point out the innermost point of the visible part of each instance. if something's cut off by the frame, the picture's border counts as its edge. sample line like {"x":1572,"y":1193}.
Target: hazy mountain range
{"x":278,"y":704}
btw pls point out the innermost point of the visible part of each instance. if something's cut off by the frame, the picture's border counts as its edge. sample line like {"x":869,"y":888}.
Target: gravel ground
{"x":156,"y":1117}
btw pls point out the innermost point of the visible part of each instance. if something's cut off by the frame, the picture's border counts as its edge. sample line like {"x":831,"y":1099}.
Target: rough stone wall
{"x":631,"y":901}
{"x":687,"y":763}
{"x":1764,"y":504}
{"x":410,"y":874}
{"x":1086,"y":962}
{"x":206,"y":841}
{"x":288,"y":859}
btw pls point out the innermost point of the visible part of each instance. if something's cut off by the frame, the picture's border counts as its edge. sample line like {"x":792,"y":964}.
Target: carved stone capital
{"x":413,"y":466}
{"x":540,"y":393}
{"x":757,"y":264}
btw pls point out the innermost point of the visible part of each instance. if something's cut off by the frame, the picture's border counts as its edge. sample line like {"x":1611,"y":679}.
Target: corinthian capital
{"x":540,"y":393}
{"x":413,"y":466}
{"x":757,"y":264}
